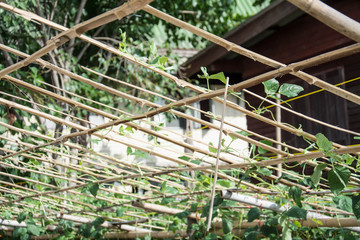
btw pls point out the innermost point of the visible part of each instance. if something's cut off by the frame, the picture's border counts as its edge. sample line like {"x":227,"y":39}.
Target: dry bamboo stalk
{"x":77,"y":30}
{"x":161,"y":209}
{"x":108,"y":158}
{"x":263,"y":163}
{"x":145,"y":102}
{"x":271,"y":206}
{"x":100,"y":86}
{"x":110,"y":116}
{"x":282,"y":68}
{"x":325,"y":57}
{"x":217,"y":157}
{"x":331,"y":17}
{"x":87,"y":131}
{"x":172,"y":100}
{"x":320,"y":222}
{"x":269,"y":75}
{"x":74,"y":167}
{"x":302,"y":115}
{"x":153,"y":125}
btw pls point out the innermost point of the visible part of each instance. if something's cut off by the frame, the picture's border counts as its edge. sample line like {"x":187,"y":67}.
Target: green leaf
{"x":2,"y":128}
{"x":296,"y":212}
{"x":120,"y":211}
{"x":185,"y":158}
{"x":19,"y":231}
{"x":253,"y":214}
{"x":295,"y":194}
{"x":167,"y":200}
{"x":33,"y":229}
{"x":252,"y":235}
{"x":290,"y":90}
{"x":227,"y":224}
{"x":22,"y":216}
{"x":211,"y":148}
{"x":338,"y":178}
{"x":211,"y":236}
{"x":162,"y":60}
{"x":219,"y":76}
{"x":243,"y":133}
{"x":98,"y":221}
{"x":93,"y":189}
{"x":322,"y":142}
{"x":264,"y":171}
{"x":271,"y":86}
{"x":128,"y":150}
{"x":204,"y":70}
{"x":262,"y":150}
{"x":343,"y":202}
{"x":315,"y":177}
{"x":183,"y":214}
{"x":356,"y":205}
{"x":224,"y":183}
{"x":228,"y":237}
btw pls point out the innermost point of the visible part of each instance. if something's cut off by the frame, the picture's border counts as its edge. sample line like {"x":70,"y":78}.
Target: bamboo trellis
{"x":67,"y":200}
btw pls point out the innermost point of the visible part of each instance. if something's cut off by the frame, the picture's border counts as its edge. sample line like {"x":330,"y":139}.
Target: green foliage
{"x":227,"y":224}
{"x":295,"y":194}
{"x":254,"y":213}
{"x":338,"y":178}
{"x":356,"y":205}
{"x":271,"y":86}
{"x":315,"y":177}
{"x":290,"y":90}
{"x":323,"y":143}
{"x":296,"y":212}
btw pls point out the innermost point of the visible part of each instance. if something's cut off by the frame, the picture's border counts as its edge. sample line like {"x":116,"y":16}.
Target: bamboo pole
{"x":274,"y":206}
{"x":212,"y":197}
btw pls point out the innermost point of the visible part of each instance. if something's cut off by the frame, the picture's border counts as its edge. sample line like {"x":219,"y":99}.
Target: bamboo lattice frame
{"x":71,"y":206}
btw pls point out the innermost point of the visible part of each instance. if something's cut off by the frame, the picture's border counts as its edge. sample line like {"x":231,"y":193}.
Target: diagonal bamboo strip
{"x":324,"y":58}
{"x":190,"y":107}
{"x":237,"y":87}
{"x":282,"y":68}
{"x":195,"y":109}
{"x":77,"y":30}
{"x":85,"y":170}
{"x":302,"y":115}
{"x":298,"y":158}
{"x":104,"y":156}
{"x":132,"y":98}
{"x":55,"y":119}
{"x":159,"y":109}
{"x":329,"y":16}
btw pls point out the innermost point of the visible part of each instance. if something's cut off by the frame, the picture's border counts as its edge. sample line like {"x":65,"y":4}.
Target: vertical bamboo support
{"x":278,"y":133}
